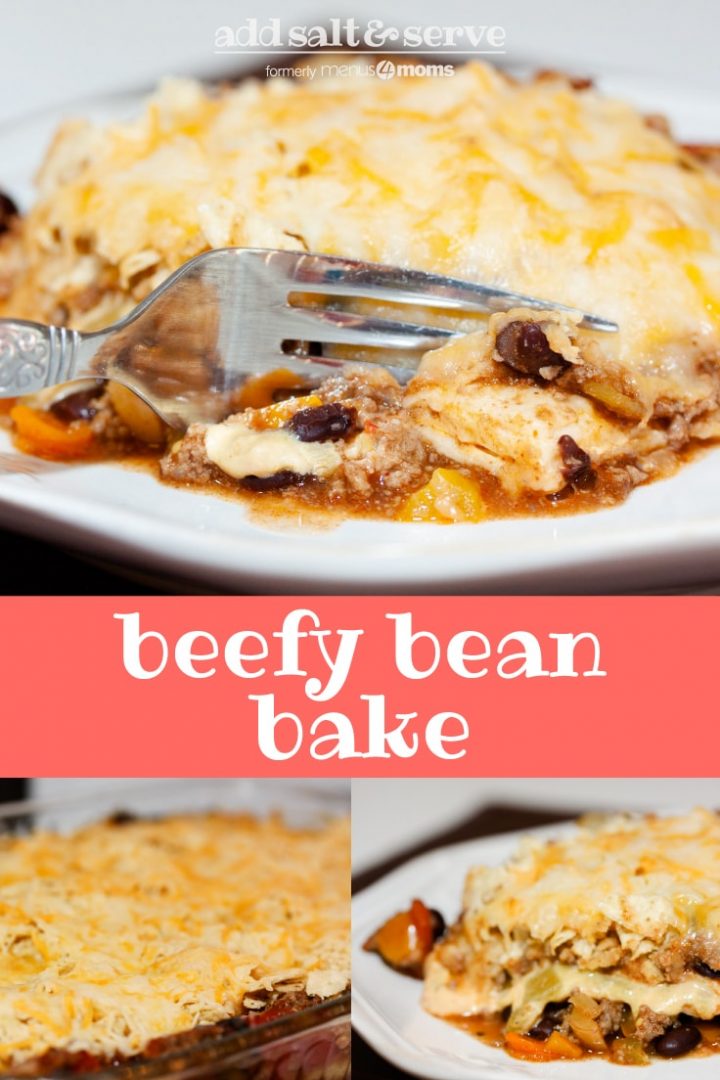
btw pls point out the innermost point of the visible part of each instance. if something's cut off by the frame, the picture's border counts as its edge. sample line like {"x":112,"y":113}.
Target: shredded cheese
{"x":590,"y":911}
{"x":118,"y":934}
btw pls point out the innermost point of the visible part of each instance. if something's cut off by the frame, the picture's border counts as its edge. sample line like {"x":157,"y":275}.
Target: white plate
{"x":386,"y":1005}
{"x":667,"y":534}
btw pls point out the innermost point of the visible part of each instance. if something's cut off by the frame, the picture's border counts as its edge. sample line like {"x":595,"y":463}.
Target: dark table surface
{"x":30,"y":567}
{"x":366,"y":1064}
{"x":35,"y":568}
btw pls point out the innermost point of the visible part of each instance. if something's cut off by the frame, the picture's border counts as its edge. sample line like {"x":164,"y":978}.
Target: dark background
{"x":34,"y":568}
{"x":12,"y":790}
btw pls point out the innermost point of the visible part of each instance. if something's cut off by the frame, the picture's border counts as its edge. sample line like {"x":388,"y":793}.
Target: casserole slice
{"x":545,"y":187}
{"x":606,"y":941}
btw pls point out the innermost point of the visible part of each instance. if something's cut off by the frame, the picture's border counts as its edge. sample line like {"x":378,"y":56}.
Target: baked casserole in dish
{"x":211,"y":944}
{"x":604,"y":942}
{"x":545,"y":187}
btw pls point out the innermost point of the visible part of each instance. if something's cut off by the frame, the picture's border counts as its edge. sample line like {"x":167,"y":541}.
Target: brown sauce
{"x":311,"y":503}
{"x":489,"y":1029}
{"x":313,"y":499}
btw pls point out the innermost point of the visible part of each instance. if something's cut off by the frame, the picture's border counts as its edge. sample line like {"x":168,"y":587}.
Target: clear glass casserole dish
{"x":312,"y":1043}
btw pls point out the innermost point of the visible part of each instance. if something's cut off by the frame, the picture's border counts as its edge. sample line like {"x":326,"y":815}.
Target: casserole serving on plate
{"x":545,"y":187}
{"x":604,"y":942}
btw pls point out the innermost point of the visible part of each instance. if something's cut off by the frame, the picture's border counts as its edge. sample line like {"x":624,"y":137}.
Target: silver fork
{"x":237,"y":312}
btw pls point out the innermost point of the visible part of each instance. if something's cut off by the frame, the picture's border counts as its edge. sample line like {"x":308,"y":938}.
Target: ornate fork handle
{"x":33,"y":356}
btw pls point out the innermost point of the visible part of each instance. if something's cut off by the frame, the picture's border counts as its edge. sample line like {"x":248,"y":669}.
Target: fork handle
{"x":33,"y":356}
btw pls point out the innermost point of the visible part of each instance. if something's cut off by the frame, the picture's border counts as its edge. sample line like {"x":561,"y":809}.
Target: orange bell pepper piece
{"x":40,"y":433}
{"x":405,"y":940}
{"x":276,"y":416}
{"x":553,"y":1049}
{"x":258,"y":391}
{"x":449,"y":496}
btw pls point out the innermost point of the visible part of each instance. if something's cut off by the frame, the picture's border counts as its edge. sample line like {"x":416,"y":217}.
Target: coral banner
{"x":359,"y":686}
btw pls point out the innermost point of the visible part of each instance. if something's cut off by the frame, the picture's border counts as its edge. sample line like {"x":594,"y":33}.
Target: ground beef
{"x":610,"y":1015}
{"x":670,"y":963}
{"x":679,"y":958}
{"x":106,"y":423}
{"x":389,"y":455}
{"x":186,"y":461}
{"x":608,"y":1019}
{"x":532,"y":954}
{"x":608,"y":953}
{"x":707,"y":951}
{"x":649,"y":1024}
{"x":675,"y":961}
{"x":370,"y":391}
{"x":678,"y":432}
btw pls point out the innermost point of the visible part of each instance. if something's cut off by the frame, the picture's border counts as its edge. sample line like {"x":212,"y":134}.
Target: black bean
{"x":525,"y":348}
{"x":78,"y":406}
{"x":706,"y":970}
{"x":438,"y":923}
{"x":323,"y":422}
{"x":8,"y":211}
{"x":550,"y":1021}
{"x":284,"y":478}
{"x":577,"y":466}
{"x":555,"y":1008}
{"x":544,"y":1028}
{"x":677,"y":1041}
{"x":559,"y":496}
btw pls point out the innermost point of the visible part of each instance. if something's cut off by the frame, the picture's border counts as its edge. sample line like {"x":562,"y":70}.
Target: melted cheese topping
{"x":628,"y":886}
{"x":696,"y":995}
{"x":239,"y":451}
{"x":538,"y":187}
{"x":644,"y":877}
{"x":467,"y":408}
{"x":527,"y":995}
{"x":116,"y":935}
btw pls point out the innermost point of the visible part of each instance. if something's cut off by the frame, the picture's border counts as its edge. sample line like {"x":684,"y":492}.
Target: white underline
{"x":380,"y":53}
